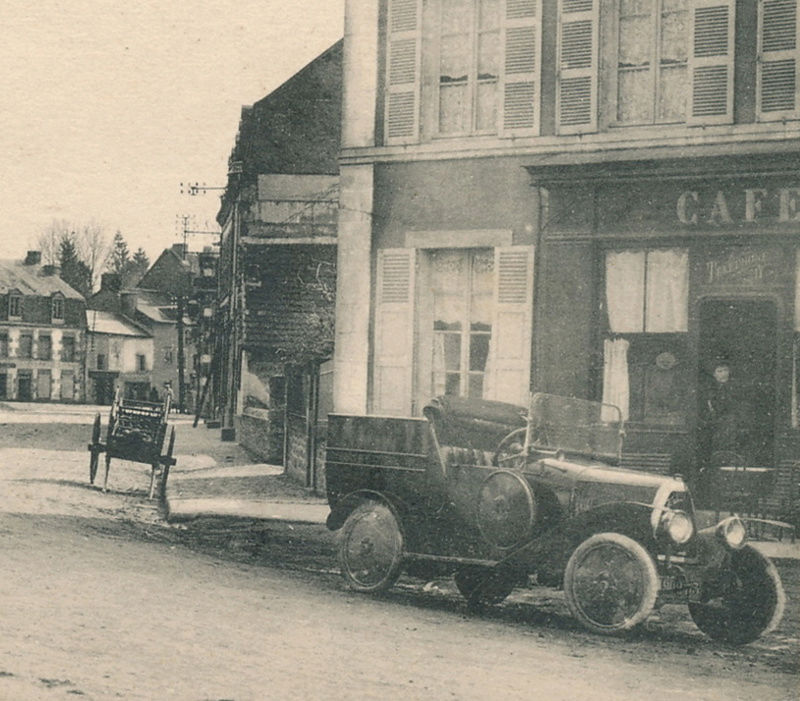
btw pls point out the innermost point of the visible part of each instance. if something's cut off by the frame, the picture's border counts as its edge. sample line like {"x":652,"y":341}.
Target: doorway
{"x":737,"y":414}
{"x":25,"y":386}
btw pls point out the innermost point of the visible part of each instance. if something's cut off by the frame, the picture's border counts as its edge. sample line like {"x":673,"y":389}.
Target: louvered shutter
{"x":778,"y":60}
{"x":711,"y":61}
{"x":394,"y":332}
{"x":577,"y":66}
{"x":521,"y":67}
{"x":402,"y":71}
{"x":510,"y":352}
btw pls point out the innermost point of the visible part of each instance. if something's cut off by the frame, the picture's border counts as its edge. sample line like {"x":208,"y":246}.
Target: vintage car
{"x":502,"y":496}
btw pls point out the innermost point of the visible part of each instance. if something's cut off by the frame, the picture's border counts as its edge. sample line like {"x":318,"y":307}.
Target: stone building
{"x":42,"y":333}
{"x":588,"y":198}
{"x":277,"y":263}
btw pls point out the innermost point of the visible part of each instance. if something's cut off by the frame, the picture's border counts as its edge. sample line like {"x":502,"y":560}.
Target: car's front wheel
{"x":750,"y":602}
{"x":371,"y":548}
{"x":610,"y":583}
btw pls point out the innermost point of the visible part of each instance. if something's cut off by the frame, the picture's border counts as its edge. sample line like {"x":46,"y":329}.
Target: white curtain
{"x":616,"y":389}
{"x":667,"y":291}
{"x":625,"y":291}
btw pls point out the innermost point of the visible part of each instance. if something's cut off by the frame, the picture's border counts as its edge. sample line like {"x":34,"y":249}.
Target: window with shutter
{"x":711,"y":61}
{"x":779,"y":60}
{"x":651,"y":57}
{"x":510,"y":359}
{"x":394,"y":332}
{"x":577,"y":66}
{"x":402,"y":71}
{"x":521,"y":69}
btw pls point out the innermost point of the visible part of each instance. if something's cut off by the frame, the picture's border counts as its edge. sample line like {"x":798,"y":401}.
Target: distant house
{"x":42,"y":327}
{"x":120,"y":356}
{"x":277,"y":271}
{"x":153,"y":309}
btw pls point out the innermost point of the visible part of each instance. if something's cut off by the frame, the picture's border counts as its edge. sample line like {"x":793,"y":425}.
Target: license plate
{"x":678,"y":586}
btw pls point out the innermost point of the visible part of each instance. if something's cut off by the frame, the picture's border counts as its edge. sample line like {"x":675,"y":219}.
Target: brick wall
{"x":261,"y":433}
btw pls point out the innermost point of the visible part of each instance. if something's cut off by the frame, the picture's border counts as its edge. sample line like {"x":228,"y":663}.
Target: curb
{"x":287,"y":512}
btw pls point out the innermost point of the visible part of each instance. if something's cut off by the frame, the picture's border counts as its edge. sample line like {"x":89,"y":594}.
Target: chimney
{"x":33,"y":258}
{"x":128,"y":300}
{"x":110,"y":282}
{"x":179,"y":249}
{"x":51,"y":269}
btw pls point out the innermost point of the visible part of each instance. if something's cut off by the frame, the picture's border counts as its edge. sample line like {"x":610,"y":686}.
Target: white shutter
{"x":402,"y":71}
{"x":394,"y":332}
{"x":522,"y":33}
{"x":711,"y":61}
{"x":778,"y":60}
{"x":510,"y":352}
{"x":577,"y":66}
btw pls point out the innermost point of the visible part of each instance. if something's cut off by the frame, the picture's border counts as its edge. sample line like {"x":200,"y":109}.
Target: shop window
{"x":68,"y":349}
{"x":652,"y":57}
{"x":25,"y":346}
{"x":57,"y":307}
{"x":67,"y":385}
{"x":44,"y":383}
{"x":45,"y":347}
{"x":644,"y":349}
{"x":14,"y":305}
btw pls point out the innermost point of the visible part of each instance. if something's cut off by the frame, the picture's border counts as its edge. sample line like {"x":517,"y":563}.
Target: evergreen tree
{"x":73,"y":270}
{"x":137,"y":267}
{"x":120,"y":257}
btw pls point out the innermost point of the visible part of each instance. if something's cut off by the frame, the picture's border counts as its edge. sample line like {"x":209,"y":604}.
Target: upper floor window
{"x":68,"y":349}
{"x":45,"y":347}
{"x":4,"y":345}
{"x":14,"y":305}
{"x":485,"y":54}
{"x":101,"y":361}
{"x":652,"y":55}
{"x":57,"y":307}
{"x":141,"y":362}
{"x":469,"y":66}
{"x":25,"y":349}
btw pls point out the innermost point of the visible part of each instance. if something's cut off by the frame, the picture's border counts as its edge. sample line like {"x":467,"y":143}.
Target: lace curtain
{"x":616,"y":388}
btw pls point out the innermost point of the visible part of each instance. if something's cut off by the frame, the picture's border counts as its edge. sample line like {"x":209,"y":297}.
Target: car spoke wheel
{"x":751,"y":605}
{"x":610,"y":583}
{"x":481,"y":585}
{"x":371,"y":548}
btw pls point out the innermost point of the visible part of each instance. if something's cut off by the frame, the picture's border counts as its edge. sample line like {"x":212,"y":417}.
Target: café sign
{"x":751,"y":205}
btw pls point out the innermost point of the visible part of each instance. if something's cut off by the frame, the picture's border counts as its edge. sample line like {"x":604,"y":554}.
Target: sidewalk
{"x":259,"y":491}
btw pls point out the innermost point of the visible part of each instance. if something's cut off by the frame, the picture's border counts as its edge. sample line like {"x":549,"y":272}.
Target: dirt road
{"x":102,"y":600}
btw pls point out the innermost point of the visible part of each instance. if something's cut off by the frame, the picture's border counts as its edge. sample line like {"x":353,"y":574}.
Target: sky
{"x":107,"y":106}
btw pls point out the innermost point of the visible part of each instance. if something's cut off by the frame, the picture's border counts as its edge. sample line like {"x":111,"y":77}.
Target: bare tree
{"x":93,"y":248}
{"x":49,"y":241}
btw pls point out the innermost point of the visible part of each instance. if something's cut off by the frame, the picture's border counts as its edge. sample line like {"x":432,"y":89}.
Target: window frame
{"x":39,"y":348}
{"x":57,"y":304}
{"x":72,"y":356}
{"x":141,"y":362}
{"x":14,"y":301}
{"x":654,"y":67}
{"x":29,"y":355}
{"x":473,"y":80}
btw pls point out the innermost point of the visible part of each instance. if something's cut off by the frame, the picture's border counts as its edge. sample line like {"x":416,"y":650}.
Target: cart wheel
{"x":371,"y":548}
{"x":167,"y":463}
{"x":108,"y":466}
{"x":610,"y":583}
{"x":94,"y":459}
{"x":752,"y":605}
{"x":482,"y":585}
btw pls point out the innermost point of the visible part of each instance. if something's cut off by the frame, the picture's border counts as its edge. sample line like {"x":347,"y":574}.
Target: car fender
{"x":344,"y":507}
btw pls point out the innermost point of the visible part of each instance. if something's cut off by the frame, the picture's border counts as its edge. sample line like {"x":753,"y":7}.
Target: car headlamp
{"x":678,"y":526}
{"x":732,"y":532}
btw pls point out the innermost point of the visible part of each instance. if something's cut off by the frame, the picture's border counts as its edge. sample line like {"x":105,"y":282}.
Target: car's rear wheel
{"x":483,"y":586}
{"x":611,"y":583}
{"x":750,"y":605}
{"x":371,"y":548}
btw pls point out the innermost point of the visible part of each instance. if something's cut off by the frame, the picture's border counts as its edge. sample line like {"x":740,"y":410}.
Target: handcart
{"x":136,"y":432}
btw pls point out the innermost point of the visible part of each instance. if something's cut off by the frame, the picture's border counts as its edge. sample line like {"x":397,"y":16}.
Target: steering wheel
{"x":509,"y":451}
